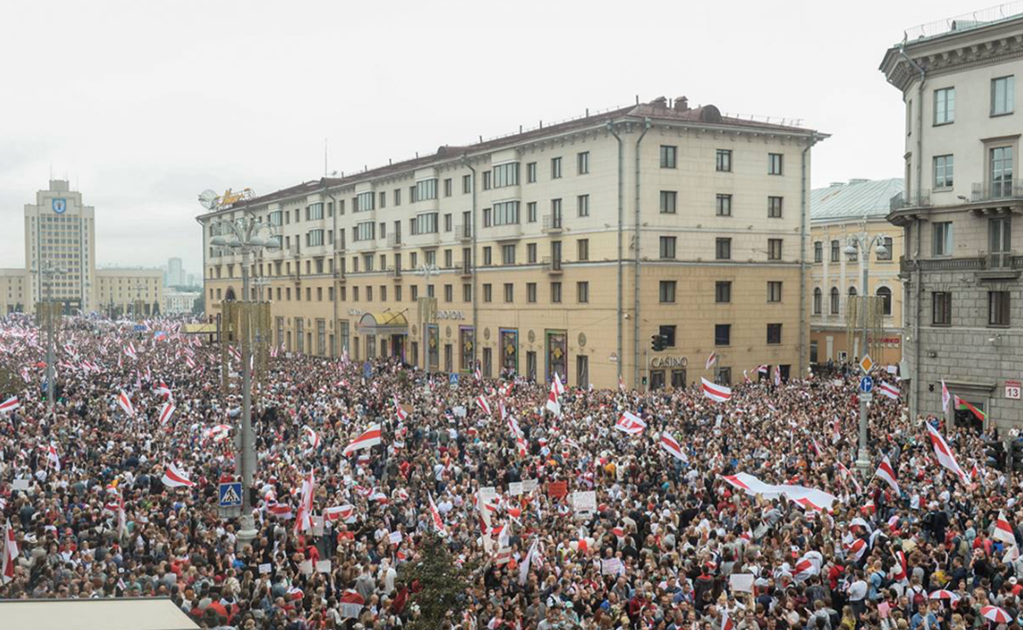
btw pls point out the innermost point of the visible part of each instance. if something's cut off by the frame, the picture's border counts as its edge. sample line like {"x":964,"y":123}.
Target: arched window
{"x":852,"y":291}
{"x":886,"y":300}
{"x":230,"y":295}
{"x":834,"y":300}
{"x":818,"y":297}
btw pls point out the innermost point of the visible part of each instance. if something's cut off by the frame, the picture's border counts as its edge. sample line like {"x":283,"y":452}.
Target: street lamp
{"x":244,"y":234}
{"x":861,"y":244}
{"x":48,"y":270}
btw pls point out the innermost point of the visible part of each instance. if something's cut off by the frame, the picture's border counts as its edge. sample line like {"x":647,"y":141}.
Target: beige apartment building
{"x":838,"y":212}
{"x":563,"y":249}
{"x":14,"y":291}
{"x":960,"y":215}
{"x":129,"y":291}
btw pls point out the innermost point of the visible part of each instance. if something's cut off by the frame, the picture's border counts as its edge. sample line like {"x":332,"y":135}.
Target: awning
{"x":386,"y":323}
{"x":199,"y":329}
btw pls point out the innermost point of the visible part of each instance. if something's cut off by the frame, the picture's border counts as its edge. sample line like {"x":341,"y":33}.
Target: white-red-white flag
{"x":856,"y":550}
{"x":438,"y":522}
{"x":52,"y":457}
{"x":369,"y":438}
{"x":125,"y":403}
{"x":344,"y":513}
{"x":304,"y":519}
{"x":166,"y":412}
{"x":945,"y":455}
{"x":483,"y":404}
{"x":726,"y":622}
{"x":845,"y":471}
{"x":10,"y":554}
{"x":311,"y":436}
{"x":671,"y":445}
{"x":553,"y":404}
{"x":9,"y":405}
{"x":630,"y":423}
{"x":399,"y":410}
{"x":1003,"y":530}
{"x":889,"y":390}
{"x":174,"y":477}
{"x":717,"y":393}
{"x":711,"y":360}
{"x":807,"y":566}
{"x":946,"y":397}
{"x":886,"y":473}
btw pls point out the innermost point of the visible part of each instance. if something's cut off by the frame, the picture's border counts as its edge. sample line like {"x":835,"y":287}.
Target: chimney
{"x":681,"y":104}
{"x":660,"y":102}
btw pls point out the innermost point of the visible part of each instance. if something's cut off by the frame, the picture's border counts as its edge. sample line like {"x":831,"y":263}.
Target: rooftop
{"x":857,"y":199}
{"x":964,"y":22}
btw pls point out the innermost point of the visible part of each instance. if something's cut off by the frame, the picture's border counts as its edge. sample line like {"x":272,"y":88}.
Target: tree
{"x":10,"y":382}
{"x":441,"y":583}
{"x":199,"y":306}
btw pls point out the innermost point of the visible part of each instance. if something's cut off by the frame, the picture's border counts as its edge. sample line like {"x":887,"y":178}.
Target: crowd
{"x":582,"y":518}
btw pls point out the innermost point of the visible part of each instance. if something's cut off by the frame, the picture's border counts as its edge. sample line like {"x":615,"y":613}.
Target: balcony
{"x":394,"y":240}
{"x":466,"y":268}
{"x":995,"y":191}
{"x":396,"y":274}
{"x":429,"y":239}
{"x":463,"y":233}
{"x":552,"y":266}
{"x":996,"y":266}
{"x":552,"y":223}
{"x":510,"y":232}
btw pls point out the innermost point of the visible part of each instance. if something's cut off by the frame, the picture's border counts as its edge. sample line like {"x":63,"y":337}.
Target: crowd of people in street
{"x":704,"y":508}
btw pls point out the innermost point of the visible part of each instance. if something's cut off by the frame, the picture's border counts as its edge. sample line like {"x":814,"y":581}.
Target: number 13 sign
{"x":1013,"y":389}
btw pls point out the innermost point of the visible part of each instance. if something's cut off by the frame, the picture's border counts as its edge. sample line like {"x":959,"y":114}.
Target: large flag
{"x":887,"y":474}
{"x":311,"y":436}
{"x":483,"y":404}
{"x":553,"y":404}
{"x":711,"y":360}
{"x":166,"y":412}
{"x":9,"y":405}
{"x":671,"y":445}
{"x":717,"y":393}
{"x":965,"y":406}
{"x":369,"y":438}
{"x":399,"y":410}
{"x":630,"y":423}
{"x":1003,"y":530}
{"x":524,"y":567}
{"x":10,"y":554}
{"x":945,"y":455}
{"x":125,"y":403}
{"x":809,"y":497}
{"x":340,"y":513}
{"x":304,"y":520}
{"x":945,"y":397}
{"x":889,"y":390}
{"x":438,"y":522}
{"x":174,"y":477}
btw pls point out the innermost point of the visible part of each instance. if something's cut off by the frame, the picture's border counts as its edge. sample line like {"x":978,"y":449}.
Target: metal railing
{"x":899,"y":201}
{"x":463,"y":232}
{"x":394,"y":240}
{"x":992,"y":191}
{"x":552,"y":222}
{"x":551,"y":265}
{"x":964,"y":22}
{"x":998,"y":260}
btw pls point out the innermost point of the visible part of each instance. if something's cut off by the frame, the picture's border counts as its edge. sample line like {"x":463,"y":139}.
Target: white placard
{"x":306,"y":567}
{"x":20,"y":484}
{"x":458,"y":411}
{"x":741,"y":582}
{"x":515,"y":488}
{"x":584,"y":502}
{"x":529,"y":485}
{"x":612,"y":566}
{"x":317,"y":525}
{"x":323,"y":566}
{"x":394,"y":538}
{"x":487,"y":493}
{"x":265,"y":568}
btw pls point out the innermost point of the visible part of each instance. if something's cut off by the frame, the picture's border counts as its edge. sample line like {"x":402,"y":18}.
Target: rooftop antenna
{"x":324,"y":157}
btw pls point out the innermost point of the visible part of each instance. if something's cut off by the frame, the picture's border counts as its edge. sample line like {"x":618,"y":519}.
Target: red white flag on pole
{"x":711,"y":360}
{"x":9,"y":405}
{"x":340,"y":513}
{"x":166,"y":412}
{"x":1003,"y":530}
{"x":483,"y":404}
{"x":125,"y":403}
{"x":945,"y":397}
{"x":852,"y":477}
{"x":304,"y":520}
{"x":402,"y":414}
{"x":945,"y":455}
{"x":887,"y":474}
{"x":889,"y":390}
{"x":438,"y":522}
{"x":630,"y":423}
{"x":10,"y":554}
{"x":717,"y":393}
{"x":174,"y":477}
{"x":553,"y":404}
{"x":369,"y":438}
{"x":671,"y":445}
{"x":311,"y":436}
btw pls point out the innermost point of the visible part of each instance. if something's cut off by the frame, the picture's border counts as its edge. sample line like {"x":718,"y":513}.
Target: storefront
{"x":390,"y":328}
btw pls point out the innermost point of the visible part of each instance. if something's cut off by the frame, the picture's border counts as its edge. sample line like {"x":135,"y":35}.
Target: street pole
{"x":247,"y":527}
{"x":863,"y":457}
{"x":50,"y":373}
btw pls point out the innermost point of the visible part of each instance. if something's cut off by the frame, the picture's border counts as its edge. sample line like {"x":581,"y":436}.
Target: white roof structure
{"x":93,"y":614}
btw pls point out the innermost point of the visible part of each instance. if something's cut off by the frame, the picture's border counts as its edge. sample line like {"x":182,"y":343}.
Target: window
{"x":555,"y":168}
{"x":508,"y":254}
{"x":1000,"y":241}
{"x":488,"y":292}
{"x":723,"y":249}
{"x":668,"y":201}
{"x":531,"y":212}
{"x":447,"y":187}
{"x":943,"y":166}
{"x":449,"y":293}
{"x":582,"y":163}
{"x":506,"y":213}
{"x":944,"y":106}
{"x":724,"y":161}
{"x":466,"y":184}
{"x":773,"y":334}
{"x":669,"y":156}
{"x":531,"y":173}
{"x":314,"y":238}
{"x":667,"y":291}
{"x":774,"y":248}
{"x":722,"y":292}
{"x":943,"y":238}
{"x":506,"y":175}
{"x":556,"y":293}
{"x":724,"y":376}
{"x":774,"y":207}
{"x":383,"y":199}
{"x":486,"y":180}
{"x":998,"y":308}
{"x":724,"y":205}
{"x":668,"y":332}
{"x":774,"y":291}
{"x":425,"y":223}
{"x":722,"y":334}
{"x":886,"y":300}
{"x":583,"y":205}
{"x":509,"y":292}
{"x":365,"y":231}
{"x":531,"y":292}
{"x":488,"y":255}
{"x":668,"y":247}
{"x":774,"y":163}
{"x":447,"y":222}
{"x":909,"y":119}
{"x":887,"y":240}
{"x":834,"y":300}
{"x":276,"y":217}
{"x":818,"y":299}
{"x":467,"y":293}
{"x":426,"y":189}
{"x":364,"y":201}
{"x":1001,"y":172}
{"x":582,"y":292}
{"x":818,"y":251}
{"x":941,"y":308}
{"x":1002,"y":90}
{"x":583,"y":247}
{"x":531,"y":253}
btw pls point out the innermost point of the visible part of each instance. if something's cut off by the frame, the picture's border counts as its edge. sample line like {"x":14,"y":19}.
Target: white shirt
{"x":857,"y":591}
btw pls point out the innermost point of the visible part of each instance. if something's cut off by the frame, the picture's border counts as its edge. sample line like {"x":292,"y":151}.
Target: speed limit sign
{"x":1012,"y":389}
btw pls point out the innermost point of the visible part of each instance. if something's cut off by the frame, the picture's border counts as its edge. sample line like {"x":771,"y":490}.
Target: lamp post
{"x":48,"y":270}
{"x":862,"y":243}
{"x":244,"y":235}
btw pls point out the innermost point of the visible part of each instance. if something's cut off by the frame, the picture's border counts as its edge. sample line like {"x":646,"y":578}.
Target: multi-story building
{"x":179,"y":302}
{"x":561,"y":249}
{"x":836,"y":213}
{"x":175,"y":273}
{"x":13,"y":291}
{"x":126,"y":291}
{"x":60,"y":232}
{"x":961,"y":270}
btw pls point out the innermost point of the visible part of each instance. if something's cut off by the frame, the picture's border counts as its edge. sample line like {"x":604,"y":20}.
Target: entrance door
{"x":656,"y":379}
{"x":582,"y":370}
{"x":531,"y":365}
{"x":449,"y":353}
{"x":678,"y":379}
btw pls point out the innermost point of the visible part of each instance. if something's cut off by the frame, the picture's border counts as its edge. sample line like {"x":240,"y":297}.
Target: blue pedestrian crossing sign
{"x":230,"y":494}
{"x":866,"y":384}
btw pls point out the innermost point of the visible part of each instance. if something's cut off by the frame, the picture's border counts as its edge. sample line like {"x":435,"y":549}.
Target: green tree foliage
{"x":442,"y":585}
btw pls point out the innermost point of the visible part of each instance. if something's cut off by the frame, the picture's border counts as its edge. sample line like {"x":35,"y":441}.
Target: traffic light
{"x":658,"y":343}
{"x":994,"y":455}
{"x":1017,"y":455}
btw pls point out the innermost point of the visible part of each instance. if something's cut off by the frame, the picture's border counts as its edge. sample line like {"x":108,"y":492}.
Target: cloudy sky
{"x":142,"y":105}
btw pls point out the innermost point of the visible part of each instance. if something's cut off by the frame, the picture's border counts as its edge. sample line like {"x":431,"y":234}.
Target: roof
{"x":94,"y":614}
{"x":857,"y":199}
{"x":657,"y":110}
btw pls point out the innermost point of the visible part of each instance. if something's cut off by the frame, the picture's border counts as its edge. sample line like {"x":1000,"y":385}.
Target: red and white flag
{"x":483,"y":404}
{"x":129,"y":351}
{"x":556,"y":385}
{"x":711,"y":360}
{"x":946,"y":397}
{"x":845,"y":471}
{"x":671,"y":445}
{"x":351,"y":604}
{"x":477,"y":373}
{"x":762,"y":369}
{"x":777,"y":376}
{"x":163,"y":390}
{"x":717,"y":393}
{"x":174,"y":477}
{"x":9,"y":405}
{"x":438,"y":522}
{"x":235,"y":353}
{"x":889,"y":390}
{"x":369,"y":438}
{"x":190,"y":363}
{"x":807,"y":566}
{"x":311,"y":436}
{"x":344,"y":513}
{"x":399,"y":410}
{"x":886,"y":473}
{"x":10,"y":554}
{"x":630,"y":423}
{"x":125,"y":402}
{"x":1003,"y":530}
{"x":945,"y":455}
{"x":52,"y":458}
{"x":856,"y":550}
{"x":166,"y":412}
{"x":304,"y":519}
{"x":726,"y":622}
{"x":553,"y":404}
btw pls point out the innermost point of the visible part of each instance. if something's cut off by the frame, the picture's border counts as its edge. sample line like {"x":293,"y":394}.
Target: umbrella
{"x":995,"y":614}
{"x":943,"y":594}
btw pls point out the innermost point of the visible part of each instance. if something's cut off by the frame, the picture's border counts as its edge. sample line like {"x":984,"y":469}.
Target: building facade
{"x":961,"y":269}
{"x":14,"y":291}
{"x":838,"y":212}
{"x":127,"y":291}
{"x":60,"y":232}
{"x":175,"y":273}
{"x":179,"y":302}
{"x":562,"y":249}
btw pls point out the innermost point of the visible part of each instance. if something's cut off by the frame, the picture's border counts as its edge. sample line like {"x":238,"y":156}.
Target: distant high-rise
{"x":60,"y":232}
{"x":175,"y":272}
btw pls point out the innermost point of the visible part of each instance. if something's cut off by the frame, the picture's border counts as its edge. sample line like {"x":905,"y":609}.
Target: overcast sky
{"x":145,"y":104}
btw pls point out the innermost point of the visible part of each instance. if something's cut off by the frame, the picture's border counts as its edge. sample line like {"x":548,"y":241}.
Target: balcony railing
{"x":899,"y":201}
{"x":394,"y":240}
{"x":993,"y":191}
{"x":551,"y":265}
{"x":463,"y":232}
{"x":996,"y":261}
{"x":552,"y":223}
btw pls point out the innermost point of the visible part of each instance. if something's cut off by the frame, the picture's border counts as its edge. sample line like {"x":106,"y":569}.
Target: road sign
{"x":453,"y":380}
{"x":230,"y":494}
{"x":140,"y":328}
{"x":866,"y":363}
{"x":1013,"y":389}
{"x":367,"y":370}
{"x":866,"y":384}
